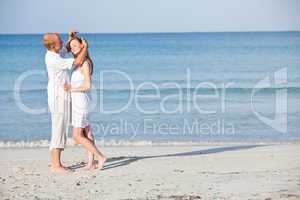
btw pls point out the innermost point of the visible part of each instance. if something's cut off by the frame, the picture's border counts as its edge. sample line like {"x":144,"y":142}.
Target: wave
{"x":45,"y":143}
{"x":170,"y":90}
{"x":134,"y":143}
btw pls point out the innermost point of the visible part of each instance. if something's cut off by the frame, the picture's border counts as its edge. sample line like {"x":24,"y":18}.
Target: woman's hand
{"x":73,"y":33}
{"x":85,"y":43}
{"x":67,"y":87}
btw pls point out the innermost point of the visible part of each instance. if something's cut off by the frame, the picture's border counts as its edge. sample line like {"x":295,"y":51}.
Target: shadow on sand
{"x":125,"y":160}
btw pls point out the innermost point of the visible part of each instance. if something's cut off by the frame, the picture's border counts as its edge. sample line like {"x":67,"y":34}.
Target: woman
{"x":80,"y":85}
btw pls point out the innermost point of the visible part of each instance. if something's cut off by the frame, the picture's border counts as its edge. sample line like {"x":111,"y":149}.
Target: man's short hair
{"x":49,"y":40}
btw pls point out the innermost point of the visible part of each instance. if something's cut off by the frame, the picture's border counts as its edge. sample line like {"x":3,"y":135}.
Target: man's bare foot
{"x":60,"y":169}
{"x":101,"y":162}
{"x":67,"y":168}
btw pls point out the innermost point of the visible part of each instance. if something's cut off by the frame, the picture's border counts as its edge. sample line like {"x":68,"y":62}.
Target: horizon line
{"x":156,"y":32}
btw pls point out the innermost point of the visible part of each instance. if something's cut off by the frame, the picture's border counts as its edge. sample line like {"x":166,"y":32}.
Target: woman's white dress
{"x":80,"y":101}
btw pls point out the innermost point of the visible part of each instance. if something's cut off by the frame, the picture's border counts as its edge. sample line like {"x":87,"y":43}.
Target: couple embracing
{"x":68,"y":101}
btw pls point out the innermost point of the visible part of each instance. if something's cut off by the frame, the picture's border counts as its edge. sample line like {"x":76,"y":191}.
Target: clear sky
{"x":38,"y":16}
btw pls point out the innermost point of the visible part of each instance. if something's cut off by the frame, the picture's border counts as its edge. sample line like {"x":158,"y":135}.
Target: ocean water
{"x":164,"y":87}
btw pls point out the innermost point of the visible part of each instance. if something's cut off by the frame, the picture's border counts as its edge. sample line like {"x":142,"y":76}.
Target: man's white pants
{"x":59,"y":131}
{"x":60,"y":107}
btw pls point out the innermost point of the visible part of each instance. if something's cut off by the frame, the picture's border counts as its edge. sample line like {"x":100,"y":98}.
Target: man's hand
{"x":67,"y":87}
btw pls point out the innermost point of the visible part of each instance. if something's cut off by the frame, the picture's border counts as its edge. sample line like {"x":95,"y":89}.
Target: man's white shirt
{"x":57,"y":66}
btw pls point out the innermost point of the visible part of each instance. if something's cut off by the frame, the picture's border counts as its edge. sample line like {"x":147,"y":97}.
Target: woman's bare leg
{"x":91,"y":161}
{"x":89,"y":145}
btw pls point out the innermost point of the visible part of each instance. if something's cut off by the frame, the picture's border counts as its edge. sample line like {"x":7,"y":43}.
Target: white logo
{"x":279,"y":122}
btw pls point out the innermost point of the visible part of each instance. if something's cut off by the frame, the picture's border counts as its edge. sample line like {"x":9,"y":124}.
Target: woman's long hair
{"x":68,"y":46}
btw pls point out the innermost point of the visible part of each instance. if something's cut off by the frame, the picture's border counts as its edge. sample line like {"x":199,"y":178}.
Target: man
{"x":58,"y":99}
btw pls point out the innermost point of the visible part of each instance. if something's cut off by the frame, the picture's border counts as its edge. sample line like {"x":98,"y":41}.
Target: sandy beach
{"x":223,"y":171}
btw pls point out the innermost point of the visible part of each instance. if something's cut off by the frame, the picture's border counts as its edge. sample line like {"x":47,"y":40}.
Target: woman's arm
{"x":71,"y":34}
{"x":83,"y":53}
{"x":86,"y":86}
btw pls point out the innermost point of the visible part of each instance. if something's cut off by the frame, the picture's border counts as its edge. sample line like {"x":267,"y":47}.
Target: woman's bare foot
{"x":89,"y":167}
{"x":74,"y":141}
{"x":101,"y":162}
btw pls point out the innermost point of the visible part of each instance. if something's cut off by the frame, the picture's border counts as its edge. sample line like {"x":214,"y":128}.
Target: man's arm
{"x":82,"y":55}
{"x":57,"y":62}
